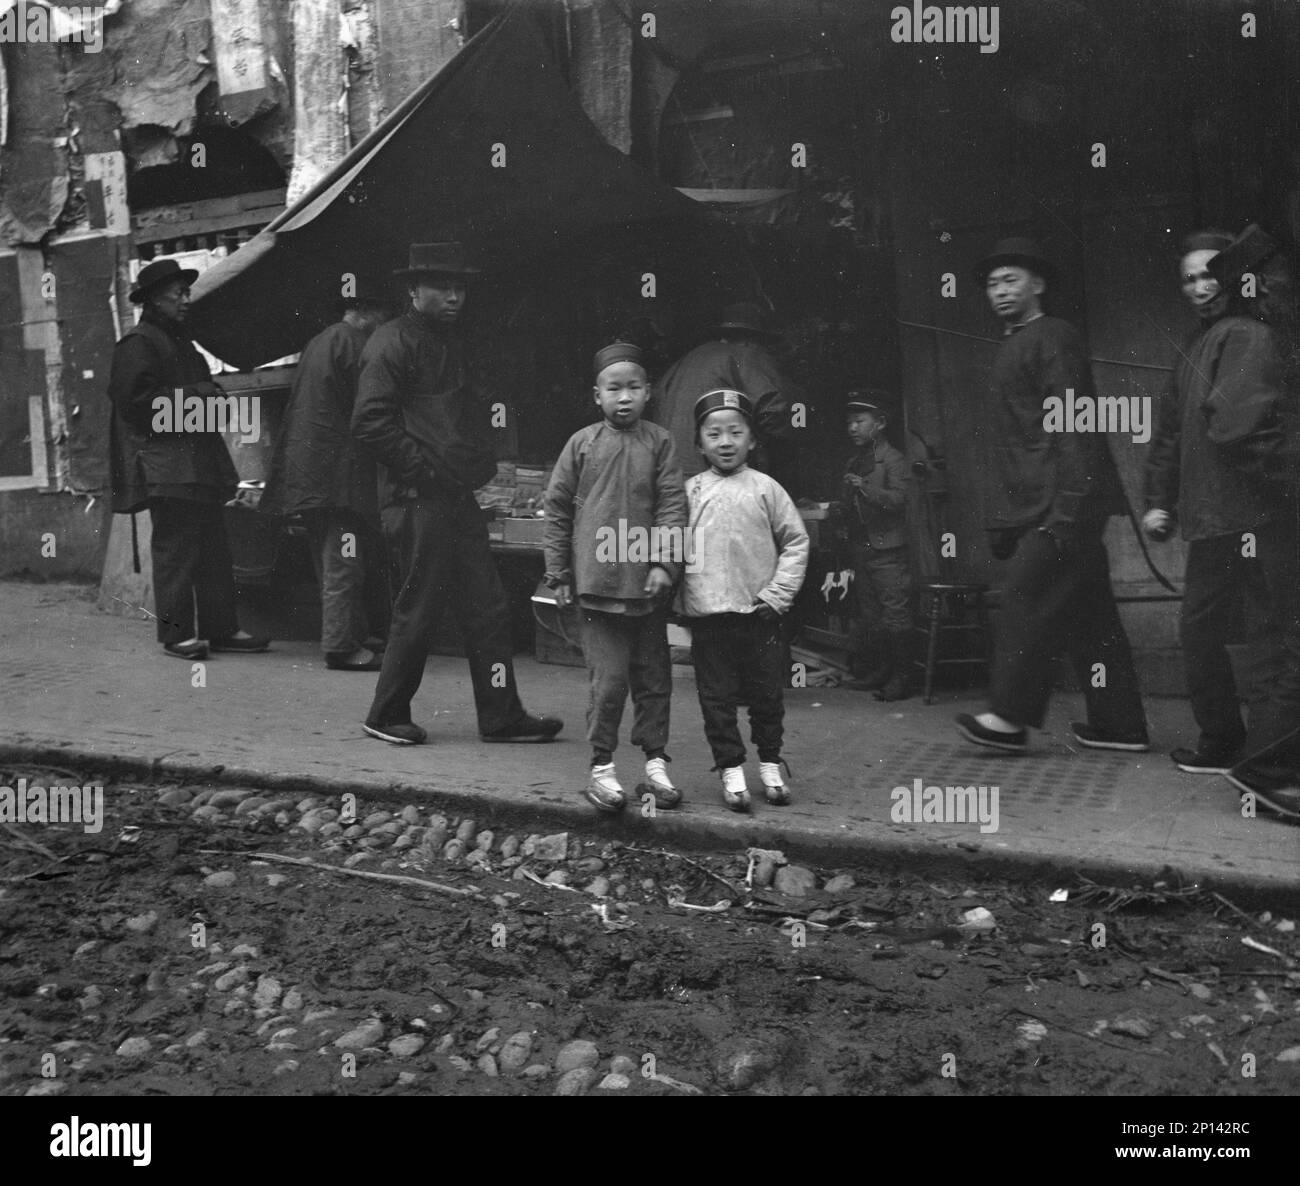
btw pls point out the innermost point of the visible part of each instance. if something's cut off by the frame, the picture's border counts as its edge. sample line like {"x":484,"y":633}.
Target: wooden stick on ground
{"x":393,"y":878}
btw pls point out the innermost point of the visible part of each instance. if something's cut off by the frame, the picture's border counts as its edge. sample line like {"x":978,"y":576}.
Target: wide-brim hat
{"x":1244,"y":254}
{"x":1016,"y":253}
{"x":161,"y":271}
{"x":722,"y":399}
{"x":747,"y":316}
{"x":438,"y":259}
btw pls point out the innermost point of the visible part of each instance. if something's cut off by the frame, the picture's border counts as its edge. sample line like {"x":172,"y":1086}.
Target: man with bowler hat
{"x":317,"y":472}
{"x":1048,"y":500}
{"x":739,"y":357}
{"x":182,"y":477}
{"x":420,"y":415}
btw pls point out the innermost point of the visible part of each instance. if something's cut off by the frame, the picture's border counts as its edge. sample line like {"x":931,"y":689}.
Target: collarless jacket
{"x":316,"y":464}
{"x":418,"y":414}
{"x":152,"y":362}
{"x":1043,"y":478}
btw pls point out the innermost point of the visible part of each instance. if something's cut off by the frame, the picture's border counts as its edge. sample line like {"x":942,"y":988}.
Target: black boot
{"x":870,"y":674}
{"x":899,"y":684}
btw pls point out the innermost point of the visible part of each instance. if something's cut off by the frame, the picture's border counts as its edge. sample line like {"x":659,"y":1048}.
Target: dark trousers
{"x":1052,"y":604}
{"x":348,"y":556}
{"x":739,"y":660}
{"x":191,"y":569}
{"x":882,"y":588}
{"x":1271,"y":748}
{"x":448,"y":565}
{"x":627,"y":653}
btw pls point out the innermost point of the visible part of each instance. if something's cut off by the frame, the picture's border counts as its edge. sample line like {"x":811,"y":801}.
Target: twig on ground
{"x":659,"y":852}
{"x":28,"y":842}
{"x":528,"y":873}
{"x":392,"y":878}
{"x":1153,"y":1051}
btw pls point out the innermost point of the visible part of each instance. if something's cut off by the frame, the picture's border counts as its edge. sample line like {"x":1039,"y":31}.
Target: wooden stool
{"x":946,"y":608}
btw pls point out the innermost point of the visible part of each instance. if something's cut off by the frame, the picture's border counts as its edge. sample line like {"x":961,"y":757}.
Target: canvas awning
{"x":494,"y":149}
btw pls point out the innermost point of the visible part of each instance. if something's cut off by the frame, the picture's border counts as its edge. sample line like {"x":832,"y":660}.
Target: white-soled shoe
{"x":604,"y":791}
{"x":660,"y":785}
{"x":735,"y":794}
{"x":774,"y":789}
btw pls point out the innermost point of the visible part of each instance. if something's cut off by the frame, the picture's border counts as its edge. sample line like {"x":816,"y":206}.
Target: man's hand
{"x":765,"y":612}
{"x":563,"y":596}
{"x":657,"y":581}
{"x":1003,"y":543}
{"x":1158,"y":524}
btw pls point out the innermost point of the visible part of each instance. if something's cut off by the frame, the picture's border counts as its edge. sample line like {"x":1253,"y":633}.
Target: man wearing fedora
{"x":183,"y":478}
{"x":1251,"y":411}
{"x":1047,"y":503}
{"x":317,"y":472}
{"x":739,"y":357}
{"x":419,"y":414}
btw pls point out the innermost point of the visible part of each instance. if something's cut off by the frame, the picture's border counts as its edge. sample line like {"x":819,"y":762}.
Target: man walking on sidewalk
{"x":1257,"y":427}
{"x":1050,"y":495}
{"x":317,"y":472}
{"x":418,"y":412}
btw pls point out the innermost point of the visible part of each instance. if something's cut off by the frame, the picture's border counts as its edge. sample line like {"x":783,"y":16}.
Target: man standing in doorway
{"x":316,"y":472}
{"x":418,"y":412}
{"x":184,"y":478}
{"x":738,"y":357}
{"x":1049,"y":498}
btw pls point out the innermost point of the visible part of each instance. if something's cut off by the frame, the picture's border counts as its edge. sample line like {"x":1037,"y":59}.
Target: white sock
{"x":991,"y":720}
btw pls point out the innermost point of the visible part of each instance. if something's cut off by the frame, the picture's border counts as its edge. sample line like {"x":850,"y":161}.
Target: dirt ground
{"x":128,"y":965}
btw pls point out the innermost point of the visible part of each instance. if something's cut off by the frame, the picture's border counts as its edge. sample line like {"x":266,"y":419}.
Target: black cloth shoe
{"x":402,"y":733}
{"x":241,"y":646}
{"x":1274,"y":797}
{"x":337,"y":662}
{"x":1196,"y":761}
{"x":528,"y":728}
{"x":1084,"y":734}
{"x":972,"y":730}
{"x":187,"y":650}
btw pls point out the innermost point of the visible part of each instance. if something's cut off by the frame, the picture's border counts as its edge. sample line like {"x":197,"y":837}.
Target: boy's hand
{"x":765,"y":612}
{"x":563,"y":596}
{"x":657,"y":581}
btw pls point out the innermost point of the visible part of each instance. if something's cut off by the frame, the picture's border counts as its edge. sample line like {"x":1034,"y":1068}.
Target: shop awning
{"x":494,"y":149}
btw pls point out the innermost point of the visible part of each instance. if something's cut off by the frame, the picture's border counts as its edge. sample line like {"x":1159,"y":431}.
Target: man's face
{"x":1202,"y":290}
{"x":725,"y":439}
{"x":622,"y":392}
{"x":170,"y":301}
{"x":438,"y":297}
{"x":863,"y":427}
{"x":1277,"y":293}
{"x":1014,"y":293}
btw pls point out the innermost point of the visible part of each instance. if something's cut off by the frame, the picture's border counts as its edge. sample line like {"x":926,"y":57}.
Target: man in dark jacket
{"x":1256,"y":428}
{"x":183,"y":477}
{"x":1050,"y":496}
{"x":316,"y":472}
{"x":1200,"y":484}
{"x":420,"y":416}
{"x":875,"y":489}
{"x":738,"y":358}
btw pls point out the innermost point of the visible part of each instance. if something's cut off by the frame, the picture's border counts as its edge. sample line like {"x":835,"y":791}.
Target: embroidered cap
{"x":716,"y":401}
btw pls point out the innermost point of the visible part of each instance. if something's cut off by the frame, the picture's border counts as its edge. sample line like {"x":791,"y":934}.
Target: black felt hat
{"x":161,"y":271}
{"x":747,"y":316}
{"x":1244,"y":254}
{"x":1016,"y":253}
{"x":438,"y":259}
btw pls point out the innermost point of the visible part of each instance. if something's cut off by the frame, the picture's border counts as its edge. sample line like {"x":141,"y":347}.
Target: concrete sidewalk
{"x":78,"y":686}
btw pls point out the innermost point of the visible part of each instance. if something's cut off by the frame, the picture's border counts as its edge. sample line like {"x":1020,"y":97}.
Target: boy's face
{"x":621,"y":393}
{"x":725,"y":439}
{"x":863,"y":427}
